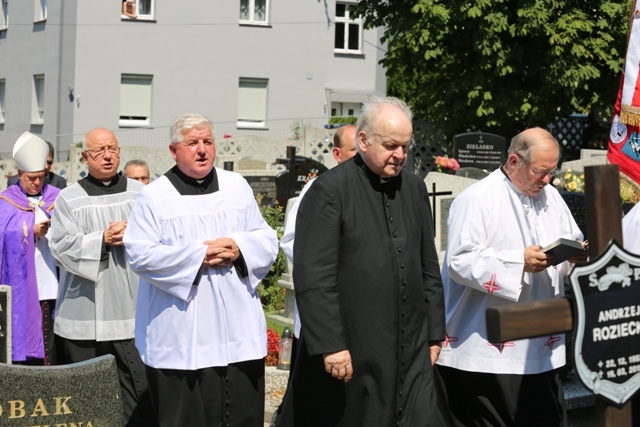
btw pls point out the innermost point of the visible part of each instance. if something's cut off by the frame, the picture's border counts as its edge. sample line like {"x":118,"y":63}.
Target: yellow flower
{"x":572,"y":186}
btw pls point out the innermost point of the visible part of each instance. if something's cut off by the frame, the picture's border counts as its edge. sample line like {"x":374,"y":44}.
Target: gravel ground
{"x":275,"y":385}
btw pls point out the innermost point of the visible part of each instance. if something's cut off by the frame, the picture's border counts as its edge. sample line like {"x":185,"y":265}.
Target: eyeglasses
{"x":100,"y":152}
{"x":541,"y":174}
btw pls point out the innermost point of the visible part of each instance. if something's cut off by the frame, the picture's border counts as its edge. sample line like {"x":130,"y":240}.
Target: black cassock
{"x":367,"y":279}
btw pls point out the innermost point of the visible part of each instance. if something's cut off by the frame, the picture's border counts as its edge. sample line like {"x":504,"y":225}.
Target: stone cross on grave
{"x":544,"y":318}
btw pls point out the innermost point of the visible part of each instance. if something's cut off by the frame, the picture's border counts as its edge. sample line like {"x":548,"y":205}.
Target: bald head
{"x":533,"y":160}
{"x":344,"y":143}
{"x":101,"y":153}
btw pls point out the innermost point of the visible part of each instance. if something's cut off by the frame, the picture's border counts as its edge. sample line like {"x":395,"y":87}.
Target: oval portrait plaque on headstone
{"x":607,"y":332}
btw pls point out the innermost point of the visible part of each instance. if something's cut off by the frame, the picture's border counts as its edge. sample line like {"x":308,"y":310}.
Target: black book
{"x":563,"y":249}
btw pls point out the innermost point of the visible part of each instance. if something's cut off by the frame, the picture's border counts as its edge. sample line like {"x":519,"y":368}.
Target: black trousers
{"x":210,"y":397}
{"x":136,"y":400}
{"x":502,"y":400}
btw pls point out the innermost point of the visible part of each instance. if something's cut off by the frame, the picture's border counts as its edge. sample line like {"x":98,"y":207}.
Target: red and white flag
{"x":624,"y":138}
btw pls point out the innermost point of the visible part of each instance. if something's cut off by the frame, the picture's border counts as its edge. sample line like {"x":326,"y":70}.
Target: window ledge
{"x":255,"y":24}
{"x":251,"y":126}
{"x":134,"y":124}
{"x":138,"y":19}
{"x":344,"y":54}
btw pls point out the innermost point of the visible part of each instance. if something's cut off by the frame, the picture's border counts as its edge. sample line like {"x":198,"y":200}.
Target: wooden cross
{"x":542,"y":318}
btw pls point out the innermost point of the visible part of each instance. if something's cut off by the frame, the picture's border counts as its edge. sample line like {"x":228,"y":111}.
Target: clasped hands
{"x":113,"y":235}
{"x":221,"y":252}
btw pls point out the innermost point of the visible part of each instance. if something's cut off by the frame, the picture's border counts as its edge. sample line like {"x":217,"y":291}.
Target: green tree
{"x":501,"y":65}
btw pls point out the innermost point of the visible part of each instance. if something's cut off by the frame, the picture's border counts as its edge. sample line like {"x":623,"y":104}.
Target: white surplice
{"x":219,"y":319}
{"x":286,"y":244}
{"x":489,"y":226}
{"x":46,"y":274}
{"x":97,"y":292}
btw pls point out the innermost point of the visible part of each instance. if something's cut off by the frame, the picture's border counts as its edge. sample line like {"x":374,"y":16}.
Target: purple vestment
{"x":17,"y":268}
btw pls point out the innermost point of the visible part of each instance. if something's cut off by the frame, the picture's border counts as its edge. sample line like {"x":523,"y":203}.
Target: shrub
{"x":272,"y":295}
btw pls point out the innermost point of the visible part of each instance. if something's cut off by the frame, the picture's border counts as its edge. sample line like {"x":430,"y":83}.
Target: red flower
{"x":272,"y":347}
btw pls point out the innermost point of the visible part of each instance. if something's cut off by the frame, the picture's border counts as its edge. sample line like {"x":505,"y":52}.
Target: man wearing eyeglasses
{"x":97,"y":297}
{"x":49,"y":177}
{"x":496,"y":230}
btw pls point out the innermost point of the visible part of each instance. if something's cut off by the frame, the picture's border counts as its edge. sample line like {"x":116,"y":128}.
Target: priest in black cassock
{"x":368,"y":287}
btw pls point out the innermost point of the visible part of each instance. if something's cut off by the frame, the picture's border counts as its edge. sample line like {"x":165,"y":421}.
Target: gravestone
{"x":85,"y":394}
{"x":5,"y":324}
{"x":473,"y":173}
{"x":264,"y":188}
{"x":479,"y":150}
{"x":579,"y":165}
{"x":607,"y":301}
{"x":304,"y":169}
{"x":444,"y":183}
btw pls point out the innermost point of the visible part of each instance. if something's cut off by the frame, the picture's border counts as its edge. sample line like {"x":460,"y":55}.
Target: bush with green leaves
{"x":272,"y":295}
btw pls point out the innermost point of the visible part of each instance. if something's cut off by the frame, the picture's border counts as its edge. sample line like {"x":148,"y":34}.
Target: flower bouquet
{"x":444,"y":164}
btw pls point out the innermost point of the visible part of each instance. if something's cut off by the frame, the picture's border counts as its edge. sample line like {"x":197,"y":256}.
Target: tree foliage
{"x":501,"y":65}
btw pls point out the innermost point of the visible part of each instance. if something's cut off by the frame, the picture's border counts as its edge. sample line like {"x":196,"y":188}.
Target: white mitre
{"x":30,"y":153}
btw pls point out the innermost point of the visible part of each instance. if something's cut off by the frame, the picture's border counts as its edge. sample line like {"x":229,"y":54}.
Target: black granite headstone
{"x":5,"y":324}
{"x":264,"y":189}
{"x":479,"y":150}
{"x":304,"y":169}
{"x":607,"y":305}
{"x":85,"y":394}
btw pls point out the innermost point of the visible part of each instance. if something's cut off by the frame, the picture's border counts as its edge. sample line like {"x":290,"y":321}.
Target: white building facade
{"x":69,"y":66}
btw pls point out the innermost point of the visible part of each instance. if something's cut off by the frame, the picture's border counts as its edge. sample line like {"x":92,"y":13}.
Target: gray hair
{"x":188,"y":121}
{"x":370,"y":112}
{"x":135,"y":162}
{"x":371,"y":108}
{"x":523,"y":143}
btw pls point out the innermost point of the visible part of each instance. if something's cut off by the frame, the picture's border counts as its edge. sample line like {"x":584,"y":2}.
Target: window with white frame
{"x":254,"y":12}
{"x":135,"y":100}
{"x":37,"y":104}
{"x":138,"y":9}
{"x":40,"y":11}
{"x":345,"y":109}
{"x":2,"y":92}
{"x":348,"y":30}
{"x":252,"y":102}
{"x":4,"y":14}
